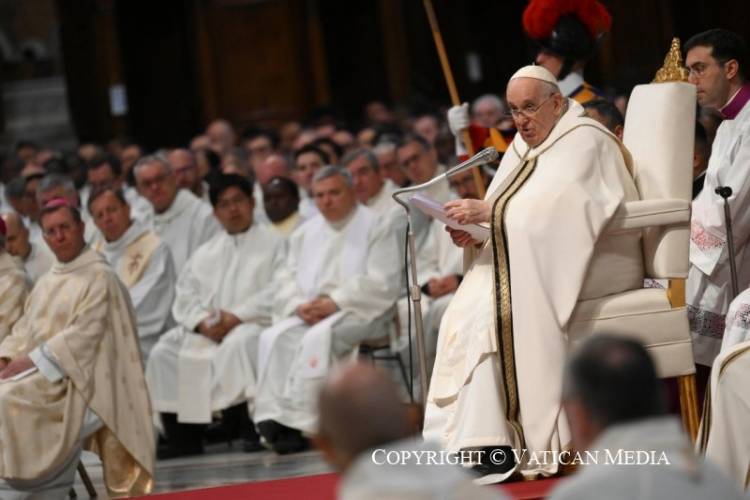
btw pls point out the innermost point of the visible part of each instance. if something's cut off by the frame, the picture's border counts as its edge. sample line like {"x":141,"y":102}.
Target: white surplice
{"x":144,"y":264}
{"x":709,"y":280}
{"x":355,"y":263}
{"x":188,"y":373}
{"x":501,"y":349}
{"x":184,"y":226}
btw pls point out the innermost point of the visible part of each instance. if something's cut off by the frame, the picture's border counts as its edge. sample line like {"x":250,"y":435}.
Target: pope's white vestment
{"x":191,"y":375}
{"x":501,"y":349}
{"x":724,"y":435}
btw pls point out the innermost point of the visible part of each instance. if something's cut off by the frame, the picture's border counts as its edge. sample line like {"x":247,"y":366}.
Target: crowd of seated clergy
{"x":212,"y":286}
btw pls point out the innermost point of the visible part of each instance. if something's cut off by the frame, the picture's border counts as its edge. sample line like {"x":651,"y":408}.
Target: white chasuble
{"x":502,"y":340}
{"x":83,"y":314}
{"x":724,"y":434}
{"x":14,"y":287}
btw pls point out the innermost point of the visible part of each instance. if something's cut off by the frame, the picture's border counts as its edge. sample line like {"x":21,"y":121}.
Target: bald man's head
{"x":274,"y":165}
{"x":17,"y":236}
{"x":348,"y":401}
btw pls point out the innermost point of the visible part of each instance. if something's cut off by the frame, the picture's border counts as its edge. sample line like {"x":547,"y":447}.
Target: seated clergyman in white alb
{"x":71,"y":376}
{"x":35,"y":255}
{"x":142,"y":262}
{"x":14,"y":287}
{"x":223,"y":301}
{"x":180,"y":218}
{"x":338,"y":288}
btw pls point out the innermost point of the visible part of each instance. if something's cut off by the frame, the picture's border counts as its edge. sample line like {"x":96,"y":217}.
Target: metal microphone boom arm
{"x":415,"y":293}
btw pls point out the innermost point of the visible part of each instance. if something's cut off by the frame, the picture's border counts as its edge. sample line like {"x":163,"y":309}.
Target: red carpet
{"x":323,"y":487}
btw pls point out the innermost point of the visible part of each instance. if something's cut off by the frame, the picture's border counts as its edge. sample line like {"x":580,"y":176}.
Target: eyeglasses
{"x":699,"y":69}
{"x":529,"y":110}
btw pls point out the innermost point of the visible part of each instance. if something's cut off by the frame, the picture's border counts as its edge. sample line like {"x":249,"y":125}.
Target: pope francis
{"x":496,"y":383}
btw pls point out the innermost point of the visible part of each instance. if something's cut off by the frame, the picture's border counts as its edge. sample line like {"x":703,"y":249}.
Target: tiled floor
{"x":220,"y":465}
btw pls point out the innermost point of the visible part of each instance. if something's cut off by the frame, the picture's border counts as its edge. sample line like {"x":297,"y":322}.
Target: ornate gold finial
{"x":673,"y":69}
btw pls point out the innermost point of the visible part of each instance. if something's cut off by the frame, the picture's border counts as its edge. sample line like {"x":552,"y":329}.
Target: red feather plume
{"x":541,"y":16}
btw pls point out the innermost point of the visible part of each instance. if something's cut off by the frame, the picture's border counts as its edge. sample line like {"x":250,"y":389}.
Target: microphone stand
{"x":725,"y":192}
{"x":415,"y":292}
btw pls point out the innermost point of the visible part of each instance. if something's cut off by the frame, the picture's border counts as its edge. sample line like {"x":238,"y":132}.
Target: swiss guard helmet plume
{"x":567,"y":28}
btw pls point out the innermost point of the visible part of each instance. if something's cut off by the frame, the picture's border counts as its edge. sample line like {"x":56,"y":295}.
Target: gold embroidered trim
{"x":502,"y":298}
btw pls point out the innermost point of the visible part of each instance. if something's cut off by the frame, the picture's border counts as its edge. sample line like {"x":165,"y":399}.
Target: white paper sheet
{"x":435,"y":210}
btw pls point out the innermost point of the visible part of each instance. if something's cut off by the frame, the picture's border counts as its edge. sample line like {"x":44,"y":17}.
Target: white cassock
{"x":184,"y":226}
{"x":355,"y":263}
{"x":259,"y":213}
{"x":144,"y":264}
{"x":724,"y":435}
{"x":39,"y":260}
{"x":709,"y":286}
{"x":14,"y":288}
{"x":189,"y":374}
{"x":674,"y":472}
{"x":307,"y":208}
{"x":497,"y":378}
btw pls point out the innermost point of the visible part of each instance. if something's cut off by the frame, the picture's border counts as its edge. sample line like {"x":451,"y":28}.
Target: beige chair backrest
{"x":659,"y":133}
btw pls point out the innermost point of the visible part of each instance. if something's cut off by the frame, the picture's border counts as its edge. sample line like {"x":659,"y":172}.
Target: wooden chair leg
{"x":689,"y":405}
{"x":86,"y":480}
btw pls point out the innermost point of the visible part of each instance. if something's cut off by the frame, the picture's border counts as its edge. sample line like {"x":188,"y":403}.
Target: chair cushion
{"x":645,"y":315}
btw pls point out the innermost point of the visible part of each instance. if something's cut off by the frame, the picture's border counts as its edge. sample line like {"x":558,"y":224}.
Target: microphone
{"x":724,"y":191}
{"x":484,"y":156}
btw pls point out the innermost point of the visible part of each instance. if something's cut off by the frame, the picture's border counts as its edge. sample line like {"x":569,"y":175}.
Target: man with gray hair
{"x":371,"y":188}
{"x":180,"y":218}
{"x":615,"y":406}
{"x":337,"y":289}
{"x":355,"y":443}
{"x":53,"y":186}
{"x":14,"y":287}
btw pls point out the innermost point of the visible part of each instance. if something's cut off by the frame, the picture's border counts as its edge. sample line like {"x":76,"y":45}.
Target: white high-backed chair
{"x":659,"y":133}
